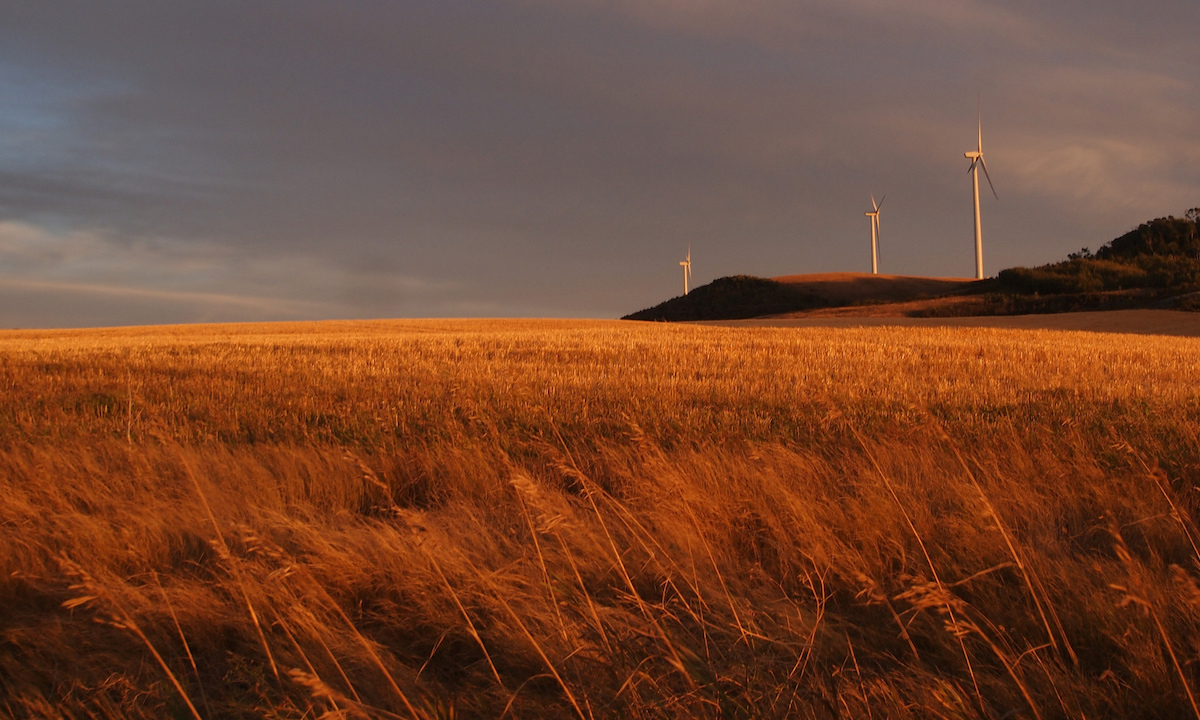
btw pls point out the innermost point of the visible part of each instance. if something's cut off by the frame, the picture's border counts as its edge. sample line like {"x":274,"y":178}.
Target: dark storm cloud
{"x":446,"y":158}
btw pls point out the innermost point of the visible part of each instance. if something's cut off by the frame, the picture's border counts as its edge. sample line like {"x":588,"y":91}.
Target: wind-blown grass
{"x":484,"y":519}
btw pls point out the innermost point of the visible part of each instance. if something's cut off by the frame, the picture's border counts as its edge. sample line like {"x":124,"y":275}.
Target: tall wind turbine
{"x":977,"y":162}
{"x":874,"y":215}
{"x":687,"y":270}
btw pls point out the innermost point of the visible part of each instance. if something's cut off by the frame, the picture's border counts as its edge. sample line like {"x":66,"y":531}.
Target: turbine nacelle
{"x":978,"y":161}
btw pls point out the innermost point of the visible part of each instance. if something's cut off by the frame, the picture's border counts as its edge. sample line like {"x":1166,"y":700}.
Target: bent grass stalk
{"x":187,"y":648}
{"x":517,"y":485}
{"x":1017,"y":557}
{"x":332,"y":657}
{"x":1138,"y":595}
{"x":223,"y":549}
{"x":928,"y":560}
{"x":312,"y":671}
{"x":470,"y":625}
{"x":583,"y":589}
{"x":676,"y":660}
{"x":717,"y":569}
{"x":642,"y":535}
{"x":121,"y":619}
{"x":363,"y":641}
{"x":499,"y":596}
{"x":589,"y":491}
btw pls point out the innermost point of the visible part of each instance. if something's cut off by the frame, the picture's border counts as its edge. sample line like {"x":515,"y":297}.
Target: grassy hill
{"x":597,"y":520}
{"x":1154,"y":265}
{"x":1161,"y":256}
{"x":732,"y":298}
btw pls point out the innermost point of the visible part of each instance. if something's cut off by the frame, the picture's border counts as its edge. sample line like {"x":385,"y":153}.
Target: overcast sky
{"x":171,"y":161}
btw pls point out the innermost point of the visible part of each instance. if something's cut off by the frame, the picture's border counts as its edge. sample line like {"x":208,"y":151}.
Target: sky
{"x":164,"y":161}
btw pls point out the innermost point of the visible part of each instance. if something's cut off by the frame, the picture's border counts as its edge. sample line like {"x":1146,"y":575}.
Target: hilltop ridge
{"x":1156,"y":265}
{"x":743,"y":296}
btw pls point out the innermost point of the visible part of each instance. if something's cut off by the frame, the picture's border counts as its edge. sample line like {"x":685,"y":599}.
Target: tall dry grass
{"x":514,"y":519}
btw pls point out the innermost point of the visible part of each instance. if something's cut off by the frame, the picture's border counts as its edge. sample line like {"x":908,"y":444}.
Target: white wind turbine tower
{"x":977,"y":162}
{"x":687,"y":270}
{"x":874,"y":215}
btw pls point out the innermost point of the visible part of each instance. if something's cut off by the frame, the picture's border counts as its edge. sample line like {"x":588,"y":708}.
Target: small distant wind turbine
{"x":874,"y":215}
{"x":977,"y":162}
{"x":687,"y":270}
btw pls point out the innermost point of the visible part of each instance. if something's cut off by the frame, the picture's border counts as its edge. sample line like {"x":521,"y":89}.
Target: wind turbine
{"x":977,"y":162}
{"x":874,"y":215}
{"x":687,"y":270}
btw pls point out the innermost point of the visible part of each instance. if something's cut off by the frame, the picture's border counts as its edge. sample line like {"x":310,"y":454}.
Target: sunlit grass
{"x":556,"y":519}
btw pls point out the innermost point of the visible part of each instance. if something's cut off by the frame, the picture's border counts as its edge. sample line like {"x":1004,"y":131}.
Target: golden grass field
{"x":598,"y":520}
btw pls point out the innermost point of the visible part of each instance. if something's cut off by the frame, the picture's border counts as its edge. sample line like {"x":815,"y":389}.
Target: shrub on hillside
{"x":1163,"y":237}
{"x":1076,"y":276}
{"x":1162,"y":253}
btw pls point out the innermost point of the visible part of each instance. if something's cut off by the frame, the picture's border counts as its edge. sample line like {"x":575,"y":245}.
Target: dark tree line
{"x":1160,"y":254}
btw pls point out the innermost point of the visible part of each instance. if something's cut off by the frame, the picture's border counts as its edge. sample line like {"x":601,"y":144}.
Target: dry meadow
{"x":526,"y":519}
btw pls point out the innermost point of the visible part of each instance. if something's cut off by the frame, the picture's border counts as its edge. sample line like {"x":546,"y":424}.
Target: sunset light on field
{"x":599,"y":360}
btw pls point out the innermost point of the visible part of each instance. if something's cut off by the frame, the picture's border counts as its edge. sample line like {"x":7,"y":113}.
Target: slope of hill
{"x":838,"y":289}
{"x":1156,"y":265}
{"x":743,"y":296}
{"x":733,"y":298}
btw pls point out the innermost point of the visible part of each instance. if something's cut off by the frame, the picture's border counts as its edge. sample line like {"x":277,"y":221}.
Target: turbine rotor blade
{"x":880,"y":202}
{"x":979,"y":118}
{"x":970,"y":169}
{"x":878,"y":238}
{"x":989,"y":177}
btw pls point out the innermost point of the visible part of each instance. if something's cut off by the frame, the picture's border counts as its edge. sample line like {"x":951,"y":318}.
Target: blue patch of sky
{"x":33,"y":119}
